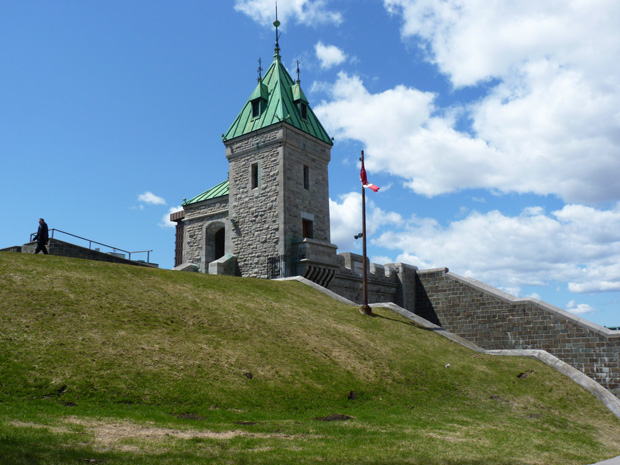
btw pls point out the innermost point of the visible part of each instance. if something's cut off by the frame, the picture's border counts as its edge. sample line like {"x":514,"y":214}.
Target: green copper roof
{"x":217,"y":191}
{"x":281,"y":102}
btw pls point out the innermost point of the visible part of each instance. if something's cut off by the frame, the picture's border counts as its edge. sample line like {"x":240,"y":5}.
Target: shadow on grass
{"x":22,"y":451}
{"x":18,"y":451}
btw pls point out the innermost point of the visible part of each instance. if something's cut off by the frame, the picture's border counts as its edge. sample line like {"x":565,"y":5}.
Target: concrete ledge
{"x":186,"y":267}
{"x":614,"y":461}
{"x":225,"y":265}
{"x":314,"y":285}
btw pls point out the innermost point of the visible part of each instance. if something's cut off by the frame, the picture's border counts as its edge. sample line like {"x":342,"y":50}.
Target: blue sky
{"x":493,"y":128}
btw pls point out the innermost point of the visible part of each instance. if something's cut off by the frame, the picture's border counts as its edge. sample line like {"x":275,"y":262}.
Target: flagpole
{"x":365,"y":308}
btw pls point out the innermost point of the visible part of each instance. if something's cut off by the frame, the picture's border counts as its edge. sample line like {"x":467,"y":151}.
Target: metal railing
{"x":91,"y":242}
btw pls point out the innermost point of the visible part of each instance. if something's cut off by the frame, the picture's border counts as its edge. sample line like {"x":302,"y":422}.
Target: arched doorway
{"x":215,"y":241}
{"x":220,"y":243}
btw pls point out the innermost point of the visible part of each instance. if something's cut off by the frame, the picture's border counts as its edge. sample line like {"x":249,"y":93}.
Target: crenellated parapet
{"x":393,"y":282}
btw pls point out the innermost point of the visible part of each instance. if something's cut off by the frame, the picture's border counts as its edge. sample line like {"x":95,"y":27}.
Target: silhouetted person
{"x":42,"y":237}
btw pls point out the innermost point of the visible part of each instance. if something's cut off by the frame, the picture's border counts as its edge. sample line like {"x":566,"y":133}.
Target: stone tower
{"x":278,"y":155}
{"x":272,"y":215}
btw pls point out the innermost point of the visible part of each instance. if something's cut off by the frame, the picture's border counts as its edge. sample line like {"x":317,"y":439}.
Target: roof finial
{"x":298,"y":81}
{"x":260,"y":70}
{"x":276,"y":23}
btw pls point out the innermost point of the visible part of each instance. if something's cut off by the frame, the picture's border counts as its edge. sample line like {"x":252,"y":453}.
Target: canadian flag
{"x":365,"y":182}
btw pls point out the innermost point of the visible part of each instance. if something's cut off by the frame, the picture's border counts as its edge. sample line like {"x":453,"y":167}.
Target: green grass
{"x":118,"y":364}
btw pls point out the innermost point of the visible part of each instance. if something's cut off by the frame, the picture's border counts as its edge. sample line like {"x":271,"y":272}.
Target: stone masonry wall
{"x":196,"y":216}
{"x":495,"y":320}
{"x":254,"y":211}
{"x":300,"y":151}
{"x":394,"y":282}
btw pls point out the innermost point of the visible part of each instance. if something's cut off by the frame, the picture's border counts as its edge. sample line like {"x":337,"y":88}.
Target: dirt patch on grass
{"x":110,"y":432}
{"x":110,"y":435}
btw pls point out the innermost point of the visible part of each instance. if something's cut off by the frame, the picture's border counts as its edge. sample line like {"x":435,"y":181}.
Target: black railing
{"x":91,"y":242}
{"x":276,"y":266}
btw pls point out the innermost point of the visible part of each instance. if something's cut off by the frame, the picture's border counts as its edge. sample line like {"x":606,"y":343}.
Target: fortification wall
{"x":495,"y":320}
{"x":66,"y":249}
{"x":393,"y":282}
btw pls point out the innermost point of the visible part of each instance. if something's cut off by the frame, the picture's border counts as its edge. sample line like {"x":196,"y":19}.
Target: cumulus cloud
{"x":346,"y":220}
{"x":579,"y":309}
{"x":547,"y":123}
{"x":474,"y":40}
{"x":576,"y":245}
{"x":329,"y":55}
{"x":301,"y":11}
{"x":405,"y":138}
{"x":151,"y":199}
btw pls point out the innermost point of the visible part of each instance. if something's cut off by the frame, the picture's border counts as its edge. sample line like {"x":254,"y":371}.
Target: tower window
{"x":306,"y":177}
{"x":255,"y":108}
{"x":307,"y":228}
{"x":254,"y":176}
{"x":304,"y":110}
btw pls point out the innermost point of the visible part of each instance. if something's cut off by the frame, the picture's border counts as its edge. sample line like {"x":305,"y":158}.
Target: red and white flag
{"x":365,"y":182}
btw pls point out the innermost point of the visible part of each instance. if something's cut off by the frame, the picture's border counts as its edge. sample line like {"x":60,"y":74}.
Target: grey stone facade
{"x":278,"y":182}
{"x":202,"y":223}
{"x":275,"y":219}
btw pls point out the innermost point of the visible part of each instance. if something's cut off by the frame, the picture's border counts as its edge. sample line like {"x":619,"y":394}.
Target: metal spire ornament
{"x":276,"y":24}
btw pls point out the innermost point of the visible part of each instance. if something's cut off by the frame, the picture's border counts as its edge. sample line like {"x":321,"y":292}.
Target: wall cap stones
{"x":545,"y":306}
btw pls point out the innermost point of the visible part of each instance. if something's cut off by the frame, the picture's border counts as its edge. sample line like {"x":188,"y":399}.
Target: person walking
{"x":42,"y":237}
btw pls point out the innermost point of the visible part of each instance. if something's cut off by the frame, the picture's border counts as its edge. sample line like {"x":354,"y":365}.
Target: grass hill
{"x":118,"y":364}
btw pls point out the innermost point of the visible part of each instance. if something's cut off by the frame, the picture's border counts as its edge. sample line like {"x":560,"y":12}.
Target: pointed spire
{"x":298,"y":81}
{"x":260,"y":70}
{"x":276,"y":24}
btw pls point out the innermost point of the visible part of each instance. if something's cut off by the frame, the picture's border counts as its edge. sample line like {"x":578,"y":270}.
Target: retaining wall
{"x":393,"y":282}
{"x":66,"y":249}
{"x":495,"y":320}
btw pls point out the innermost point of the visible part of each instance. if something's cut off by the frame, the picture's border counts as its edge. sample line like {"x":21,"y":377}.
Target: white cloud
{"x":475,"y":40}
{"x":329,"y":55}
{"x":579,"y":309}
{"x":165,"y":220}
{"x":308,"y":12}
{"x":549,"y":123}
{"x":151,"y":199}
{"x":576,"y":245}
{"x":403,"y":138}
{"x":346,"y":220}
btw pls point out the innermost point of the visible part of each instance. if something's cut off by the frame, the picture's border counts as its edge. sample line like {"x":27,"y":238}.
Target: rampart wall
{"x":66,"y":249}
{"x":393,"y":282}
{"x":495,"y":320}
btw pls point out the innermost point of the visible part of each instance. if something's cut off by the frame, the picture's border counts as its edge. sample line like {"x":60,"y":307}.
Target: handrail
{"x":91,"y":242}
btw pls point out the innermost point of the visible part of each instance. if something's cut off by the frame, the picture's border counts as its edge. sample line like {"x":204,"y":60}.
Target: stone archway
{"x":215,"y":241}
